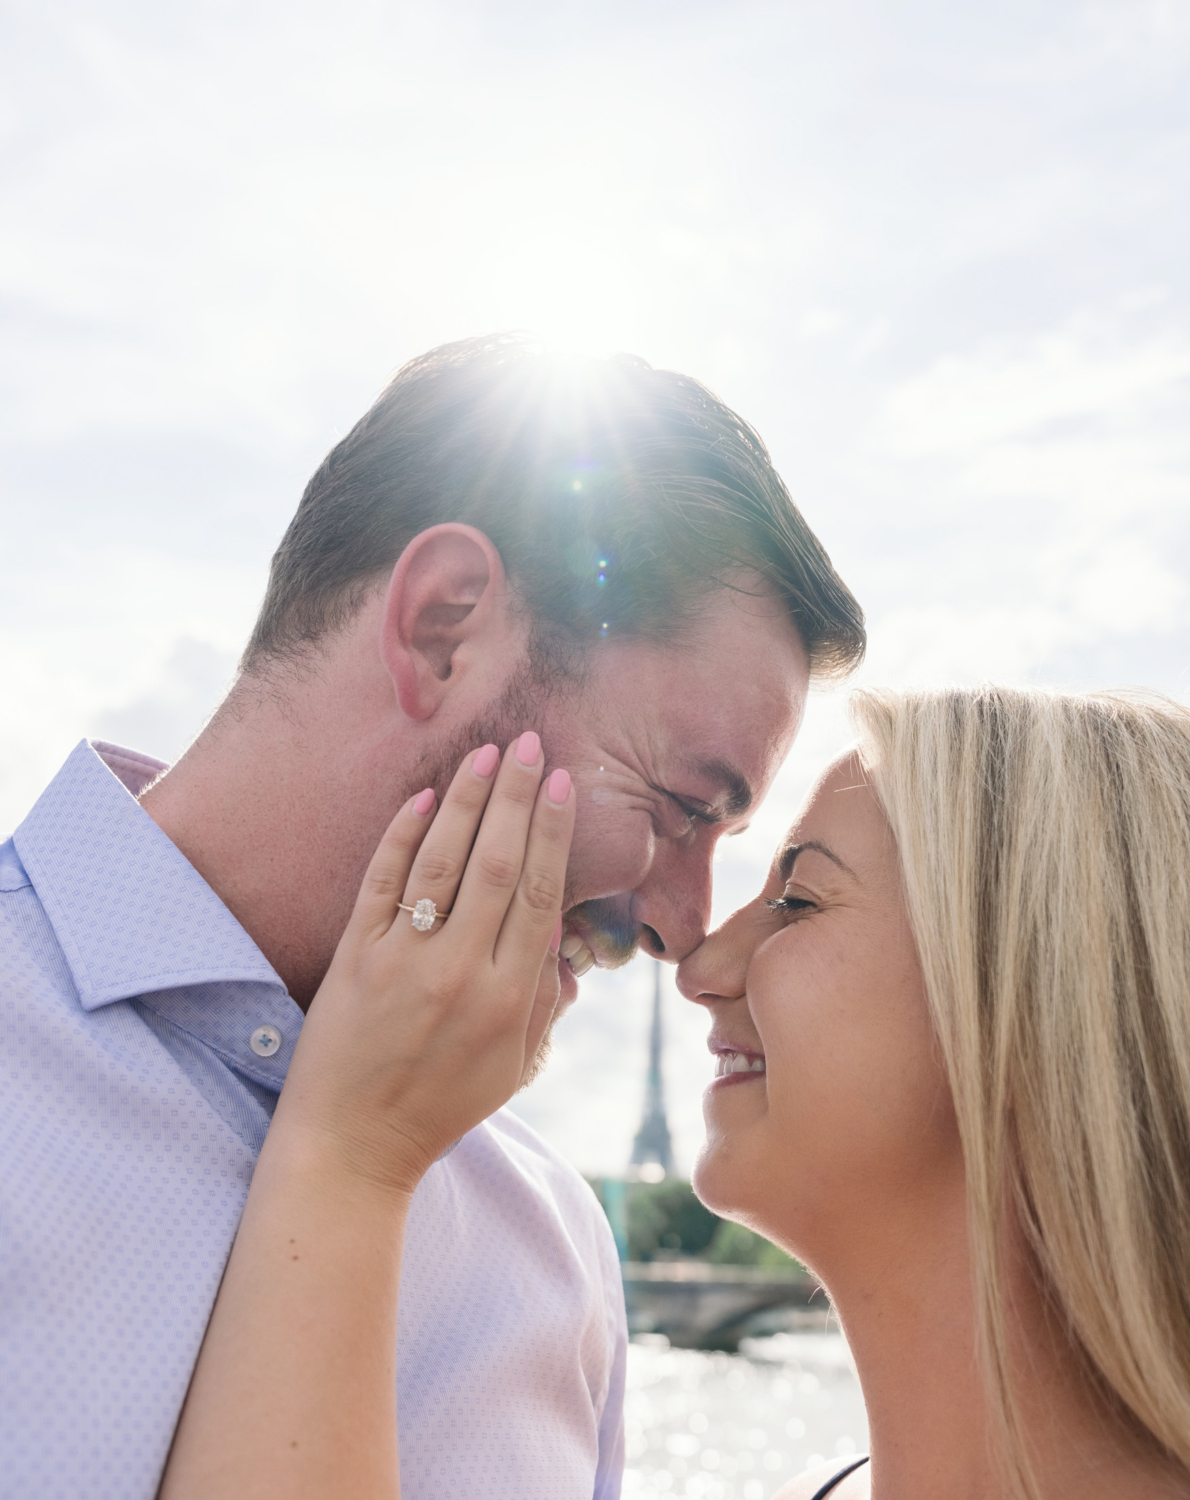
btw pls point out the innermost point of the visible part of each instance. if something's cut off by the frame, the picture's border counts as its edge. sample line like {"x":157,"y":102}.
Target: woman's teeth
{"x":737,"y":1062}
{"x":576,"y":953}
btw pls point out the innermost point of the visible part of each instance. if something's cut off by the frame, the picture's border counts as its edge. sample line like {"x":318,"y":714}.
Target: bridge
{"x":698,"y":1305}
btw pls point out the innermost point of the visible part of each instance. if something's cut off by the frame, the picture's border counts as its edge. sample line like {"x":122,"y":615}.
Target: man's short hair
{"x":616,"y":494}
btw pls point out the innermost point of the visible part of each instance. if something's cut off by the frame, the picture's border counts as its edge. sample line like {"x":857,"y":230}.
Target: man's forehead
{"x":720,"y":705}
{"x":730,"y":729}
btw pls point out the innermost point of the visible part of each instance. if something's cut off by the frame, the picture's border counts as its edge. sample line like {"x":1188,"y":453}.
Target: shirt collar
{"x":131,"y":913}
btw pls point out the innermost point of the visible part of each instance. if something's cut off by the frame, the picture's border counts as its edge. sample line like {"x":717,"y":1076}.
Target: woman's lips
{"x":737,"y":1067}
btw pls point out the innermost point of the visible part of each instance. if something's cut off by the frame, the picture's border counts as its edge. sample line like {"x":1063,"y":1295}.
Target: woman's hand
{"x":414,"y":1037}
{"x":411,"y":1040}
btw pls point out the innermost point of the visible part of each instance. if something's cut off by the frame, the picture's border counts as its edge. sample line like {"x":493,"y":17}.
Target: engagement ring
{"x":425,"y":914}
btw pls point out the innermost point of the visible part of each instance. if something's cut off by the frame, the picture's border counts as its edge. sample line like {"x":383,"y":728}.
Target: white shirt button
{"x":265,"y":1040}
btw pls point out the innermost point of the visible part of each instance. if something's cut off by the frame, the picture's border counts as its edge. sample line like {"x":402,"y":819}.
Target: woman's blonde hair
{"x":1044,"y":841}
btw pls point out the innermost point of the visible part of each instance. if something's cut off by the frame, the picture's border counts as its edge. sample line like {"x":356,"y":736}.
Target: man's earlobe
{"x":447,"y":591}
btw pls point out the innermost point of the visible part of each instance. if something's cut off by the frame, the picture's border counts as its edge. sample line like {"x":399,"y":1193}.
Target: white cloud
{"x":96,"y":638}
{"x":163,"y":720}
{"x":963,"y":405}
{"x":937,"y":254}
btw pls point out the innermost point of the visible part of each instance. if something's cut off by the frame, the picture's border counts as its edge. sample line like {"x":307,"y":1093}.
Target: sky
{"x":936,"y":253}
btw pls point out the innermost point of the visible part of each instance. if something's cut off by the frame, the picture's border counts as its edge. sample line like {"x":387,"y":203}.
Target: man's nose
{"x":673,"y":903}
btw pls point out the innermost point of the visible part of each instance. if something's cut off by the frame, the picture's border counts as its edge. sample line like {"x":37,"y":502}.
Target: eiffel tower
{"x":652,"y":1151}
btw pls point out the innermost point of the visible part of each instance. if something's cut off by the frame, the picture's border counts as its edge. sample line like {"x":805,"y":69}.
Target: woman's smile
{"x":736,"y":1066}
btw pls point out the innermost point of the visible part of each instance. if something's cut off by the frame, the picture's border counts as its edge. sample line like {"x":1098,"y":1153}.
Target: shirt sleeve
{"x":610,"y":1470}
{"x":610,"y":1473}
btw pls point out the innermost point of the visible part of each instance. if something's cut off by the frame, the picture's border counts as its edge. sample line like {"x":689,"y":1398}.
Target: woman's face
{"x":830,"y":1120}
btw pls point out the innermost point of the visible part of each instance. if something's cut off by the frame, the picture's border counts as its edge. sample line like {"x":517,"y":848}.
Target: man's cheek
{"x":609,"y":854}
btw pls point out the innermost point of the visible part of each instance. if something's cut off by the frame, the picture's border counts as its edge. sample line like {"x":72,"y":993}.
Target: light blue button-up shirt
{"x":133,"y":1104}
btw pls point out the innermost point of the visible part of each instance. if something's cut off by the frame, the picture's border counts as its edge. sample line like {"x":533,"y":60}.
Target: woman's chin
{"x":737,"y":1178}
{"x":719,"y":1174}
{"x":702,"y":1180}
{"x":731,"y":1145}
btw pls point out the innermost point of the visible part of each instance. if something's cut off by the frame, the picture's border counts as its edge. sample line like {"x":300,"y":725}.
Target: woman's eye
{"x":789,"y":904}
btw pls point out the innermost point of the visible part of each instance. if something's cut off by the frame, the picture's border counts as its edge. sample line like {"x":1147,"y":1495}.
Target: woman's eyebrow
{"x":791,"y":852}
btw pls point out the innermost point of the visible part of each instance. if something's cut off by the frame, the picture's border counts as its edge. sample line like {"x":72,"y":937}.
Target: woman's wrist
{"x":332,"y":1167}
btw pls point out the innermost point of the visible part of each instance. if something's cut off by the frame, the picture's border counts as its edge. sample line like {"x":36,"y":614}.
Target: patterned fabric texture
{"x":132,"y":1109}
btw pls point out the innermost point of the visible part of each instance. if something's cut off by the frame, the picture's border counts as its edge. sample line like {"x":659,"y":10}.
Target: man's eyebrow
{"x":740,"y":795}
{"x":791,"y":852}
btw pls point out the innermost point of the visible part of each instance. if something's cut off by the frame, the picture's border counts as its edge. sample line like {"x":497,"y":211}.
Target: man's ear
{"x":446,"y":614}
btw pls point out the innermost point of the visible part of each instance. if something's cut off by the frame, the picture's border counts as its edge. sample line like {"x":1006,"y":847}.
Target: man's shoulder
{"x":12,"y":871}
{"x":31,"y":960}
{"x":514,"y":1134}
{"x":503,"y":1221}
{"x":519,"y":1169}
{"x":32,"y":965}
{"x":509,"y":1135}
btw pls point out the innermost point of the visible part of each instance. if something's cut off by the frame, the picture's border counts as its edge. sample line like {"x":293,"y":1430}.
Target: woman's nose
{"x":717,"y":967}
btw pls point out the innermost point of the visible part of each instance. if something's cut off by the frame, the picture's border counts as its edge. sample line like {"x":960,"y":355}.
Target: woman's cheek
{"x":804,"y":1027}
{"x":776,"y":992}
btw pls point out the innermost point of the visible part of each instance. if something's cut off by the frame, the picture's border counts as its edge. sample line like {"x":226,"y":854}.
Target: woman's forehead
{"x":841,"y":813}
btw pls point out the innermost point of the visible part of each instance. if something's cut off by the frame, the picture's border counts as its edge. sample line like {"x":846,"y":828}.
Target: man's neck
{"x":279,"y":805}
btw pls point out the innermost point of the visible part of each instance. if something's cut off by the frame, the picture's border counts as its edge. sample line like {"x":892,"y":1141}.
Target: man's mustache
{"x":612,"y":934}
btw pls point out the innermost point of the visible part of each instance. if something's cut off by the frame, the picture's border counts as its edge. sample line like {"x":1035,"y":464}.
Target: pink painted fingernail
{"x":486,"y":760}
{"x":556,"y":940}
{"x":528,"y":748}
{"x":424,"y":801}
{"x":557,"y":788}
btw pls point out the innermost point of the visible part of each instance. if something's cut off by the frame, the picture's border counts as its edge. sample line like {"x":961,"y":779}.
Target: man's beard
{"x":612,"y":932}
{"x":518,"y":708}
{"x":618,"y":937}
{"x":541,"y":1057}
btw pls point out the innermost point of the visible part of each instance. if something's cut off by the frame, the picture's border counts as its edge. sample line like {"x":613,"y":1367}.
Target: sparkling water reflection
{"x":738,"y":1426}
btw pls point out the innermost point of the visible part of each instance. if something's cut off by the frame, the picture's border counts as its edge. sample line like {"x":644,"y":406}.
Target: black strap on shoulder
{"x":839,"y":1477}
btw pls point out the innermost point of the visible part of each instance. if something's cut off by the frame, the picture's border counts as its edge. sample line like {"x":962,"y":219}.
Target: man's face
{"x":670,"y":749}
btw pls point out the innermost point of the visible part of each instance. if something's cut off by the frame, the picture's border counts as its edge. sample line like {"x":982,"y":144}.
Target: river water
{"x":738,"y":1426}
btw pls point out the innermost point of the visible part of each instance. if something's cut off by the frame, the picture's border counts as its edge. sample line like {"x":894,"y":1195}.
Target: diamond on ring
{"x":424,"y":914}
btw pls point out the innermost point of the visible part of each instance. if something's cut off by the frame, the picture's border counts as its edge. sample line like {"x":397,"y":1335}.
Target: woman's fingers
{"x":416,"y":1037}
{"x":494,"y":853}
{"x":533,"y":913}
{"x":496,"y":867}
{"x":388,"y":870}
{"x":436,"y":871}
